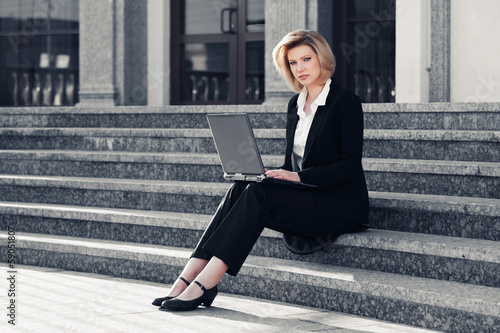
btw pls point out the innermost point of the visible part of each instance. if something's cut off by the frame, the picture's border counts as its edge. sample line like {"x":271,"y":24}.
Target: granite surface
{"x":439,"y":74}
{"x":454,"y":216}
{"x":438,"y":304}
{"x":415,"y":144}
{"x":134,"y":140}
{"x":432,"y":120}
{"x":466,"y":261}
{"x":408,"y":176}
{"x":433,"y":262}
{"x":435,"y":107}
{"x":435,"y":116}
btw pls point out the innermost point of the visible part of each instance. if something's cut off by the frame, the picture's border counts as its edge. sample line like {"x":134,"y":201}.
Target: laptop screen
{"x":235,"y":143}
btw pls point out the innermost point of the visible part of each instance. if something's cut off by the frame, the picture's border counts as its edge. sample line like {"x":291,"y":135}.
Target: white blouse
{"x":304,"y":123}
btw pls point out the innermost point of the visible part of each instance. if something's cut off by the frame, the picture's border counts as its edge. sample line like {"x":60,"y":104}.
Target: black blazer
{"x":332,"y":156}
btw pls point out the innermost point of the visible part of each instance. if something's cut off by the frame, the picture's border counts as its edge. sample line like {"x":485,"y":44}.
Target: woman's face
{"x":304,"y":64}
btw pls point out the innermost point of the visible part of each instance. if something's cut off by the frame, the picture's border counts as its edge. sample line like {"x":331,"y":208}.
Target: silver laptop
{"x":238,"y":151}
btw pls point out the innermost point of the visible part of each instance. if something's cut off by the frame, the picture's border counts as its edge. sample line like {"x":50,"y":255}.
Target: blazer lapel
{"x":319,"y":116}
{"x":313,"y":131}
{"x":292,"y":123}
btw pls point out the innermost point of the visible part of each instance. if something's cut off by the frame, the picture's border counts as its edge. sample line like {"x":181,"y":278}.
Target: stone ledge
{"x":115,"y":184}
{"x":369,"y":134}
{"x":178,"y":109}
{"x":464,"y":168}
{"x":433,"y":245}
{"x":450,"y":295}
{"x":431,"y":107}
{"x":432,"y":135}
{"x":275,"y":108}
{"x":435,"y":203}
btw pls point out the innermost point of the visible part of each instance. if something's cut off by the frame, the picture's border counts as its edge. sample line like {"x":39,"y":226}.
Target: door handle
{"x":231,"y":27}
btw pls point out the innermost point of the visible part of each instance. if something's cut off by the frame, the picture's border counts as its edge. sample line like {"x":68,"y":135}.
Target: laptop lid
{"x":235,"y":143}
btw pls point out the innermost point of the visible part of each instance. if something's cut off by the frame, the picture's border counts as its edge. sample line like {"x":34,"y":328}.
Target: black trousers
{"x":247,"y":208}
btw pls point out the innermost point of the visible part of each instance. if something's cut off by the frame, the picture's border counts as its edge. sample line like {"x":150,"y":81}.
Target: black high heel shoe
{"x":179,"y":305}
{"x":158,"y":301}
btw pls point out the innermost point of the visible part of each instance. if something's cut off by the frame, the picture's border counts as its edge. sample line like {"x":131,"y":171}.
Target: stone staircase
{"x":128,"y":191}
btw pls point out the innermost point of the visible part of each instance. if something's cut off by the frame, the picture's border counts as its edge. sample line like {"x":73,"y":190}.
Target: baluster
{"x":369,"y":89}
{"x":194,"y":91}
{"x":215,"y":82}
{"x":47,"y":90}
{"x":392,"y":88}
{"x":248,"y":89}
{"x":257,"y":88}
{"x":59,"y":90}
{"x":26,"y":89}
{"x":356,"y":85}
{"x":382,"y":90}
{"x":204,"y":83}
{"x":37,"y":91}
{"x":15,"y":90}
{"x":70,"y":89}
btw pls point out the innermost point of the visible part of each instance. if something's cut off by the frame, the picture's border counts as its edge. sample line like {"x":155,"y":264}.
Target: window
{"x":364,"y":36}
{"x":38,"y":52}
{"x":218,"y":51}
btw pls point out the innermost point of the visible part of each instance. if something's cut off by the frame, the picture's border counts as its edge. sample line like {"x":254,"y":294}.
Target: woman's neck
{"x":313,"y":91}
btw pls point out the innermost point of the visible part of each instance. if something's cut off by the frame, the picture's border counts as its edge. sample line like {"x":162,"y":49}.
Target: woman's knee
{"x":254,"y":187}
{"x":257,"y":190}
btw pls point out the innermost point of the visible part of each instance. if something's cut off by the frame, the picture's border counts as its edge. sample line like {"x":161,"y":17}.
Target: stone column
{"x":131,"y":54}
{"x":97,"y":80}
{"x":159,"y":52}
{"x":439,"y":75}
{"x":113,"y":52}
{"x":283,"y":16}
{"x":412,"y":51}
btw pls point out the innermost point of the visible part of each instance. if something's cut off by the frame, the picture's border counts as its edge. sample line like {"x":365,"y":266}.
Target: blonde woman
{"x":324,"y":140}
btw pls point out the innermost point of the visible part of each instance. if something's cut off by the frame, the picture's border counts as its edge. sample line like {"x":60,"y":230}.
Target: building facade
{"x":162,"y":52}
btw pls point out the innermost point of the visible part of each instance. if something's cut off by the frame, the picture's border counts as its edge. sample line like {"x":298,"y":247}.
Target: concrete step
{"x":439,"y":257}
{"x":442,"y":305}
{"x":481,"y":146}
{"x":471,"y":179}
{"x":270,"y":116}
{"x":430,"y":214}
{"x":403,"y":144}
{"x":433,"y":116}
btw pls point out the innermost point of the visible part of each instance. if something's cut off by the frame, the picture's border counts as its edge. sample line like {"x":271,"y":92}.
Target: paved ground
{"x":50,"y":300}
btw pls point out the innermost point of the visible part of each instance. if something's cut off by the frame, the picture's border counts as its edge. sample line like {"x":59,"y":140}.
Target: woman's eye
{"x":292,"y":63}
{"x":307,"y":59}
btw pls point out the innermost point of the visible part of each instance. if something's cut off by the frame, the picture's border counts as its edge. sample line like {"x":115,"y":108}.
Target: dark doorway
{"x":218,"y":51}
{"x":364,"y":40}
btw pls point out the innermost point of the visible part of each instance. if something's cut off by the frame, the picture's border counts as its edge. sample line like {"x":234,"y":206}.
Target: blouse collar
{"x":319,"y":101}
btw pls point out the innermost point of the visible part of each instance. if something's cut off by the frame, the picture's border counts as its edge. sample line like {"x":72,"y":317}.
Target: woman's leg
{"x":229,"y":238}
{"x":200,"y":258}
{"x":190,"y":272}
{"x":227,"y":203}
{"x":208,"y":277}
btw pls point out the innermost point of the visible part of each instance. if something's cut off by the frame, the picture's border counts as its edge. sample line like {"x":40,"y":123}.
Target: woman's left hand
{"x":283,"y":174}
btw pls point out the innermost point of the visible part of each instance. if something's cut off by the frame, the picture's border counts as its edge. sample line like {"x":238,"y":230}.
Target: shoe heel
{"x":208,"y":303}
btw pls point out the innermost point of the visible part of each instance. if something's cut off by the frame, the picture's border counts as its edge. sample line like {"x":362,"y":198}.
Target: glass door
{"x":364,"y":44}
{"x":39,"y":45}
{"x":217,"y":52}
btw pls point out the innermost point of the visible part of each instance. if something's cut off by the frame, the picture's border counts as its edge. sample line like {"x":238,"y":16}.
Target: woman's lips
{"x":303,"y":77}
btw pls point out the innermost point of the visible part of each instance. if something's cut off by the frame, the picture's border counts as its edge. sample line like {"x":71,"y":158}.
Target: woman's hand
{"x":283,"y":174}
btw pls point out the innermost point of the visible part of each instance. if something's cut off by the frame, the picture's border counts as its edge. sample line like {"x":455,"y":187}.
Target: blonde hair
{"x":298,"y":38}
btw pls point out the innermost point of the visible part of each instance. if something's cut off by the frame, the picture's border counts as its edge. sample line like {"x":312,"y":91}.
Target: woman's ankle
{"x":179,"y":286}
